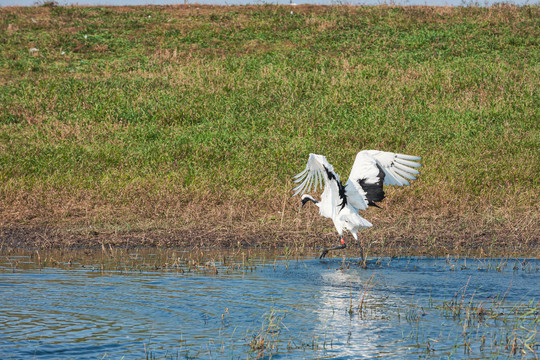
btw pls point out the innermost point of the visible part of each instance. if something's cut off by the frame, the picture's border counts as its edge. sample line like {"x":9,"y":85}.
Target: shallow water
{"x":405,"y":308}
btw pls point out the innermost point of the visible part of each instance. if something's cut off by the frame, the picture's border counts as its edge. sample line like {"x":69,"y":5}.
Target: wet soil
{"x":484,"y":244}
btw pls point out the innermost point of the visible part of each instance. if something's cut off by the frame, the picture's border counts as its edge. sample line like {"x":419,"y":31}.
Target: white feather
{"x":401,"y":181}
{"x":406,"y":168}
{"x":300,"y":174}
{"x":404,"y":174}
{"x":408,"y":157}
{"x":408,"y":163}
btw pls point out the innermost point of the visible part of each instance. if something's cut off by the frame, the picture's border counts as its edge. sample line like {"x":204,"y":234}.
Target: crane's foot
{"x":326,"y":250}
{"x":363,"y":263}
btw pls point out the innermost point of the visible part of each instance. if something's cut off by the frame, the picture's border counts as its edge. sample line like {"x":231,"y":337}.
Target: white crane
{"x":371,"y":170}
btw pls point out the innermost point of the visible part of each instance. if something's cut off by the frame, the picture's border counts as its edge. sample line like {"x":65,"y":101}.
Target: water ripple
{"x":404,"y":308}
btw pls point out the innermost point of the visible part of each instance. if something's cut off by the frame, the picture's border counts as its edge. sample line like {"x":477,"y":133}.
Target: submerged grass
{"x":191,"y":120}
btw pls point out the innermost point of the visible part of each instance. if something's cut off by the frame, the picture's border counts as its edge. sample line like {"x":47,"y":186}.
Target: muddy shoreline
{"x":45,"y":237}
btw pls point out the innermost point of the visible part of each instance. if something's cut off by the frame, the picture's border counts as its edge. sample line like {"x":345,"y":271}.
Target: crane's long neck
{"x":307,"y":198}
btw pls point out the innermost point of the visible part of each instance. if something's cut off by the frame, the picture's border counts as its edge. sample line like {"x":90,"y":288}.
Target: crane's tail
{"x":364,"y":223}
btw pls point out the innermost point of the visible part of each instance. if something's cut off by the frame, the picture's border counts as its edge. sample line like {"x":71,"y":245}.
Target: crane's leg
{"x":361,"y":246}
{"x":338,"y":247}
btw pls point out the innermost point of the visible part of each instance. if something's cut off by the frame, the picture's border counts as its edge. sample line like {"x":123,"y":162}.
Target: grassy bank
{"x":184,"y":125}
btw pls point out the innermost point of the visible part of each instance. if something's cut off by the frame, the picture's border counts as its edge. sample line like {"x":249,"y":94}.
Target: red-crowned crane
{"x":371,"y":170}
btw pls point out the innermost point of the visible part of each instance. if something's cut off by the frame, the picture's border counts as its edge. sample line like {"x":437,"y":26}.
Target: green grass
{"x":142,"y":112}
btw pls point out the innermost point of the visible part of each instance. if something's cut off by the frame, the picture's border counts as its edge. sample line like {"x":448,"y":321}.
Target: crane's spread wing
{"x":317,"y":170}
{"x":397,"y":167}
{"x":372,"y":169}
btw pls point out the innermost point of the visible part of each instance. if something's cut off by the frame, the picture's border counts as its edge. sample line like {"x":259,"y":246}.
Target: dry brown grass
{"x":146,"y":217}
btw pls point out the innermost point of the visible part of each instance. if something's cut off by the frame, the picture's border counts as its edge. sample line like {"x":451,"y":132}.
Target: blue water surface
{"x":405,"y":308}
